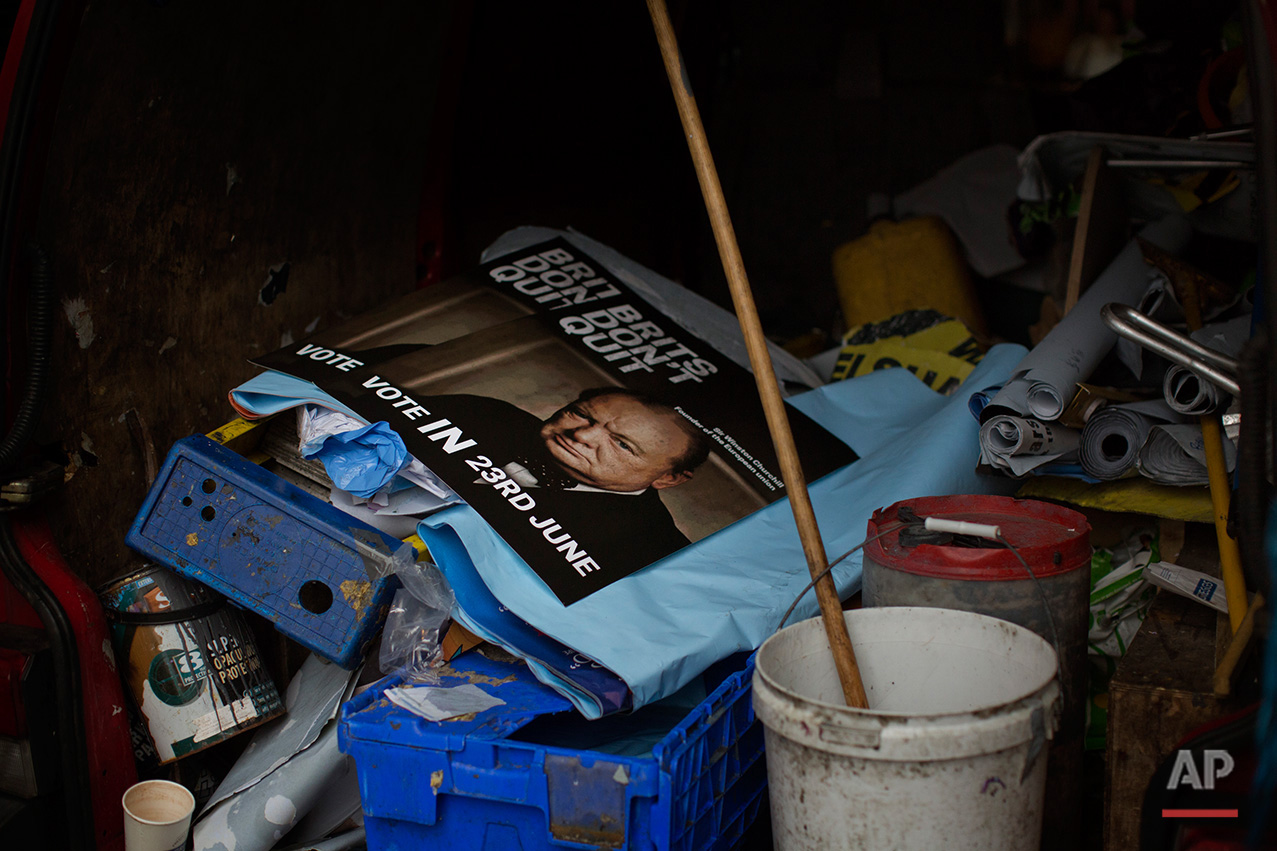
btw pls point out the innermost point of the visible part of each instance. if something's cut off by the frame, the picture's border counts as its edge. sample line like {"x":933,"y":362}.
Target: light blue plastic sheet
{"x":272,"y":392}
{"x":663,"y":625}
{"x":660,"y":627}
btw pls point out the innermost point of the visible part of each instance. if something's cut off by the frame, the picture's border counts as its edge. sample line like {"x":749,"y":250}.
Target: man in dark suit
{"x":596,"y":466}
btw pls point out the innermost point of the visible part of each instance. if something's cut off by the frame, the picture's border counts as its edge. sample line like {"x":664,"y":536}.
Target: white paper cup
{"x":157,"y":816}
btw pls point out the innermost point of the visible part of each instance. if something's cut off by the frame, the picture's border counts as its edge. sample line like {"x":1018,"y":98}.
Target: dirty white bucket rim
{"x":1016,"y":666}
{"x":952,"y":755}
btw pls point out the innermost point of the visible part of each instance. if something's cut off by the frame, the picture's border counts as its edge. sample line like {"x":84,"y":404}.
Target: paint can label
{"x":190,"y":664}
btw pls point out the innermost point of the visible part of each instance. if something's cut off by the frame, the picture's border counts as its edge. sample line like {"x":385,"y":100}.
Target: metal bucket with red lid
{"x":910,"y":566}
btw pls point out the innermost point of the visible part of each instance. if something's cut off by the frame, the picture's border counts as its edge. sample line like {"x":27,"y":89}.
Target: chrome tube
{"x":1175,"y":347}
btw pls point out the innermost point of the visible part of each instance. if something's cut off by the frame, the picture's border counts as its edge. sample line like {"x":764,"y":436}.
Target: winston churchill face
{"x":619,"y":442}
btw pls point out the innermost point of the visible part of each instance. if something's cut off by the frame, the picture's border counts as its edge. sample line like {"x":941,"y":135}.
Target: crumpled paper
{"x":439,"y":703}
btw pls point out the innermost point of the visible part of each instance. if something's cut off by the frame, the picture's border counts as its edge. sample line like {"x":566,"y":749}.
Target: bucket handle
{"x":1040,"y":730}
{"x":993,"y":533}
{"x":1037,"y":726}
{"x":855,"y":737}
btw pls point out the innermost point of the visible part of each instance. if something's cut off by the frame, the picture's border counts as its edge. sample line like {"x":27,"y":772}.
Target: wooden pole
{"x":759,"y":358}
{"x":1190,"y":287}
{"x":1230,"y":557}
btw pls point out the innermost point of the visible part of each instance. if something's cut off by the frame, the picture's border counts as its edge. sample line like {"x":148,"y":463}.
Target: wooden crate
{"x":1161,"y":691}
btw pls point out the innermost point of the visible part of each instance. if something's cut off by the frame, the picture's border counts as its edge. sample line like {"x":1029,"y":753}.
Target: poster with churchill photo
{"x":592,"y":432}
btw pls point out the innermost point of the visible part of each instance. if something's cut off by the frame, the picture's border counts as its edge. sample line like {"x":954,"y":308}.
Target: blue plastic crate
{"x":473,"y":783}
{"x":322,"y":577}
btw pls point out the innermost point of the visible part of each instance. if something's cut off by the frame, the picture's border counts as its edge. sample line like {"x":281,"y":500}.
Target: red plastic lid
{"x":1051,"y":538}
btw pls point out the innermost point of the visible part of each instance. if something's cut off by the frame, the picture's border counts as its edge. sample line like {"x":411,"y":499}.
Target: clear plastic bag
{"x":411,"y":638}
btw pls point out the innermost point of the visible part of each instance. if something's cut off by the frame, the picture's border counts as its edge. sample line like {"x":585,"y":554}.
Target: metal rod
{"x":1222,"y":370}
{"x":1221,"y":493}
{"x":1175,"y":347}
{"x":1230,"y":133}
{"x":1223,"y":679}
{"x":759,"y":359}
{"x":1245,"y":165}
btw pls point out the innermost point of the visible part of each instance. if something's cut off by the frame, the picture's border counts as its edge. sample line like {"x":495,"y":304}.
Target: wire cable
{"x":1046,"y":606}
{"x":1046,"y":603}
{"x":1037,"y":584}
{"x":831,"y":566}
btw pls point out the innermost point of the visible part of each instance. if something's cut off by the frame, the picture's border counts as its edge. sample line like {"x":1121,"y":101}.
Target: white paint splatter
{"x":108,"y":653}
{"x":213,"y":830}
{"x":280,"y":810}
{"x":116,"y":710}
{"x":77,"y":312}
{"x":232,"y":177}
{"x":168,"y":344}
{"x":314,"y":323}
{"x":286,"y":339}
{"x":621,"y":776}
{"x":86,"y":443}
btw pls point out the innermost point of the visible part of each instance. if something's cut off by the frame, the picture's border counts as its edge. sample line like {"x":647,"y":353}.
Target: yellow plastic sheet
{"x":1136,"y":495}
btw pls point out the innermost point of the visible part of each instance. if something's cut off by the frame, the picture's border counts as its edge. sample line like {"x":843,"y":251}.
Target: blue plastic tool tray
{"x":483,"y":781}
{"x":322,"y":577}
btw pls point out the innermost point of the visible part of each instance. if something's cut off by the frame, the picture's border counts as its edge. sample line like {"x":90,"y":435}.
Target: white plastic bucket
{"x":951,"y":753}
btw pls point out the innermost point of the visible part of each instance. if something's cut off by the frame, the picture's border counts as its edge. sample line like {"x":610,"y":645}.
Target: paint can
{"x":909,"y":566}
{"x":189,"y":662}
